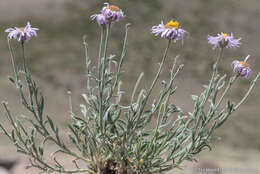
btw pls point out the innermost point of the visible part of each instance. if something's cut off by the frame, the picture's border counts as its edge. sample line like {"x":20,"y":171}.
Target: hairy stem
{"x":248,"y":92}
{"x":13,"y":61}
{"x":101,"y":92}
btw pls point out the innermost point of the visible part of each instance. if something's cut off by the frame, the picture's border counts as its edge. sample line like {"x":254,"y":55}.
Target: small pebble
{"x":3,"y":171}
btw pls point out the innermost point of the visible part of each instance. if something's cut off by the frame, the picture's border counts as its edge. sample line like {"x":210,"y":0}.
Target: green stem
{"x":212,"y":80}
{"x":70,"y":104}
{"x":120,"y":62}
{"x":23,"y":57}
{"x":153,"y":84}
{"x":157,"y":75}
{"x":218,"y":60}
{"x":248,"y":92}
{"x":232,"y":80}
{"x":13,"y":61}
{"x":86,"y":54}
{"x":100,"y":52}
{"x":160,"y":68}
{"x":105,"y":58}
{"x":103,"y":80}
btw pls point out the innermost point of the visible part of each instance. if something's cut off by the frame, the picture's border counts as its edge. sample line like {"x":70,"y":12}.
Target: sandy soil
{"x":15,"y":9}
{"x":226,"y":159}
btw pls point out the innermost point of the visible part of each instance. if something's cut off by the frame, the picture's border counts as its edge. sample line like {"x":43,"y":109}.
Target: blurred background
{"x":56,"y":59}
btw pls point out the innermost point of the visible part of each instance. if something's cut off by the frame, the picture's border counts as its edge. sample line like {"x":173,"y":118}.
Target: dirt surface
{"x":223,"y":159}
{"x":22,"y":9}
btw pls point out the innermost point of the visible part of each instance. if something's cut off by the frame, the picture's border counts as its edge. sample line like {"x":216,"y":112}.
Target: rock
{"x":7,"y":163}
{"x":3,"y":171}
{"x":207,"y":167}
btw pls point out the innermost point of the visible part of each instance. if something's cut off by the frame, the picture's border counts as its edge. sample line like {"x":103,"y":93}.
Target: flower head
{"x":22,"y":34}
{"x":101,"y":19}
{"x":223,"y":40}
{"x":109,"y":15}
{"x":170,"y":31}
{"x":242,"y":68}
{"x":112,"y":13}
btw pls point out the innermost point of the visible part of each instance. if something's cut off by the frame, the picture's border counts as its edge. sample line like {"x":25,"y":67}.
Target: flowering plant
{"x":110,"y":137}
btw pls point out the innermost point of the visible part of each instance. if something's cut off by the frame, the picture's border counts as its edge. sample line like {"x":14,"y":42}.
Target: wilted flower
{"x":101,"y":19}
{"x":112,"y":13}
{"x":23,"y":33}
{"x":169,"y":31}
{"x":223,"y":40}
{"x":242,"y":68}
{"x":109,"y":15}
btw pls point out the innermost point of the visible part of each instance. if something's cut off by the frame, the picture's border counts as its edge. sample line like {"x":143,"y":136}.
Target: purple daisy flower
{"x":23,"y":33}
{"x":101,"y":19}
{"x":169,"y":31}
{"x":109,"y":15}
{"x":112,"y":13}
{"x":242,"y":68}
{"x":224,"y":41}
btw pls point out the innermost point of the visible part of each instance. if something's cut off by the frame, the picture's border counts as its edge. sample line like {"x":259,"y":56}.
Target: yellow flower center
{"x":225,"y":35}
{"x":114,"y":8}
{"x":172,"y":24}
{"x":244,"y":64}
{"x":22,"y":29}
